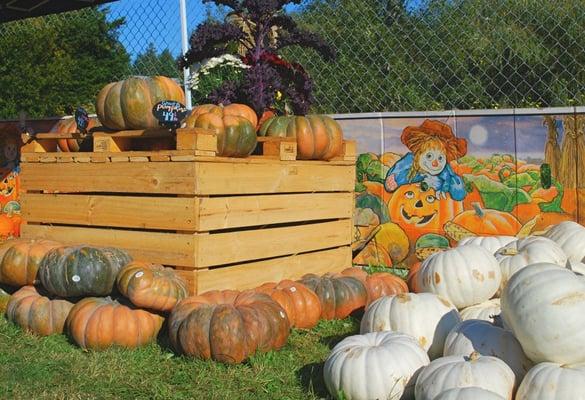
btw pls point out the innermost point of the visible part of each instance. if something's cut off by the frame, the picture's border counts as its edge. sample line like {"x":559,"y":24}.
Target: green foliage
{"x":444,"y":54}
{"x":151,"y":63}
{"x":50,"y":63}
{"x":53,"y":368}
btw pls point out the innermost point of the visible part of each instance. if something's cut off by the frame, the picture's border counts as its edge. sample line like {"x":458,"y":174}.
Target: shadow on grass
{"x":311,"y":378}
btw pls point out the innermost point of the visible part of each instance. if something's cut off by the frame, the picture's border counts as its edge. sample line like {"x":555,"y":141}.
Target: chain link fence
{"x":392,"y":55}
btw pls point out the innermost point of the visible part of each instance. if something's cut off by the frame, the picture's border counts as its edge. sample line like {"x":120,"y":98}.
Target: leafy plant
{"x":213,"y":73}
{"x":261,"y":29}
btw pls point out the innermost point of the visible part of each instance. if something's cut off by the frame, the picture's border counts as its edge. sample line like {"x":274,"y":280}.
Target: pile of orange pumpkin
{"x":100,"y":297}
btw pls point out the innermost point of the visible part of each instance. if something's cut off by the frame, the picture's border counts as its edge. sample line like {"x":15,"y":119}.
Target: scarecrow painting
{"x":432,"y":147}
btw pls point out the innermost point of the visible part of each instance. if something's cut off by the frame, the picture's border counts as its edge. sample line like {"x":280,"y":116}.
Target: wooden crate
{"x":223,"y":222}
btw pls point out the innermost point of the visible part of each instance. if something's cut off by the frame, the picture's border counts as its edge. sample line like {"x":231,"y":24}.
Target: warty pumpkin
{"x":128,"y":104}
{"x":97,"y":323}
{"x":339,"y":295}
{"x":151,"y":286}
{"x":319,"y":137}
{"x":20,"y":260}
{"x":228,"y":326}
{"x":302,"y":306}
{"x":81,"y":270}
{"x":236,"y":134}
{"x":37,"y":312}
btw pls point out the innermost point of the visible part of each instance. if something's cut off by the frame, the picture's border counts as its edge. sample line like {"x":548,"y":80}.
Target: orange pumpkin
{"x":69,"y":126}
{"x":20,"y":260}
{"x":377,"y":284}
{"x":488,"y":221}
{"x":373,"y":254}
{"x":100,"y":322}
{"x":319,"y":137}
{"x":302,"y":306}
{"x":526,"y":211}
{"x":236,"y":134}
{"x":418,"y":212}
{"x":412,"y":277}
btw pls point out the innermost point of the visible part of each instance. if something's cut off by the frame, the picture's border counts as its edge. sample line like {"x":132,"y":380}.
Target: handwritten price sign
{"x":169,"y":113}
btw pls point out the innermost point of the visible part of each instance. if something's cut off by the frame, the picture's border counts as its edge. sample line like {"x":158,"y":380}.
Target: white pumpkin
{"x":491,"y":243}
{"x":549,"y":381}
{"x":486,"y":372}
{"x":465,"y":275}
{"x":377,"y":365}
{"x":486,"y":311}
{"x":488,"y":340}
{"x":468,"y":393}
{"x":530,"y":250}
{"x":570,"y":236}
{"x":577,"y":267}
{"x":426,"y":316}
{"x":543,"y":305}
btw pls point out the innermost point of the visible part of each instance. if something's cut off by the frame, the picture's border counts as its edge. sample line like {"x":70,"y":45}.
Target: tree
{"x":396,"y":55}
{"x":150,"y":63}
{"x":52,"y":62}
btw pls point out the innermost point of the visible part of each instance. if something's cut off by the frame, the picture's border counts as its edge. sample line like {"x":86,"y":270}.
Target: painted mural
{"x":432,"y":182}
{"x":10,"y":219}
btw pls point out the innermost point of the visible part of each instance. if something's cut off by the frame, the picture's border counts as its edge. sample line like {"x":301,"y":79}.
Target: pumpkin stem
{"x":474,"y":356}
{"x":478,"y":210}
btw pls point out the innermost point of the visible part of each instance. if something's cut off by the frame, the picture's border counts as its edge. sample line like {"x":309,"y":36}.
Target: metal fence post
{"x":184,"y":48}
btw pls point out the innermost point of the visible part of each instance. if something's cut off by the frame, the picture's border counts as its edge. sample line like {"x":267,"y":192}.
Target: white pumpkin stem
{"x":474,"y":356}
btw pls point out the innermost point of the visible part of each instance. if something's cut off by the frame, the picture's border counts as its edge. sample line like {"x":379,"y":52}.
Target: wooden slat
{"x":275,"y":177}
{"x":163,"y":248}
{"x":170,"y":213}
{"x":251,"y":275}
{"x":145,"y":177}
{"x":241,"y":211}
{"x":233,"y":247}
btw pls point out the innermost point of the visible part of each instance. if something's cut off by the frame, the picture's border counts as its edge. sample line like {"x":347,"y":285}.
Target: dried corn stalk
{"x":567,"y":167}
{"x":552,"y":151}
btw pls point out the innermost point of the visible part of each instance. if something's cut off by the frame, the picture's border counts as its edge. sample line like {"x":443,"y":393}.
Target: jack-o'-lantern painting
{"x":10,"y":219}
{"x":439,"y":180}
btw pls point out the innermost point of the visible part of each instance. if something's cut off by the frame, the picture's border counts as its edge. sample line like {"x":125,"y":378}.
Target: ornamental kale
{"x":259,"y":28}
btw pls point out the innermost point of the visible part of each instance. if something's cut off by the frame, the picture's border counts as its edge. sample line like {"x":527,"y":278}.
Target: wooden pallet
{"x":184,"y":145}
{"x":223,"y":222}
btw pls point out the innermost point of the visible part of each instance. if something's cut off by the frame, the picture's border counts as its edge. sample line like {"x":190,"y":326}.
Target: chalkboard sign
{"x":81,"y":119}
{"x":169,"y":113}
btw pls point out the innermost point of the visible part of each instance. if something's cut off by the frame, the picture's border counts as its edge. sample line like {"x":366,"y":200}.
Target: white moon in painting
{"x":478,"y":135}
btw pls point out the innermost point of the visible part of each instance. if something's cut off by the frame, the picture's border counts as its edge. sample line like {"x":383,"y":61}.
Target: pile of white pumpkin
{"x":495,"y":318}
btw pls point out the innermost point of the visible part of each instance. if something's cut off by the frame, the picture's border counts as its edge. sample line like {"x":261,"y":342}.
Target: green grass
{"x":53,"y":368}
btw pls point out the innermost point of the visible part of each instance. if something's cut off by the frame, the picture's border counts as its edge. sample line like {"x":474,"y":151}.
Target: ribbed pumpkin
{"x":302,"y":306}
{"x":151,"y":285}
{"x":488,"y":222}
{"x":228,"y":326}
{"x":20,"y":260}
{"x":69,"y":125}
{"x":97,"y":323}
{"x":377,"y":284}
{"x":418,"y":211}
{"x":319,"y":137}
{"x":34,"y":311}
{"x":81,"y":270}
{"x":340,"y":295}
{"x":236,"y":133}
{"x":4,"y":299}
{"x":128,"y":104}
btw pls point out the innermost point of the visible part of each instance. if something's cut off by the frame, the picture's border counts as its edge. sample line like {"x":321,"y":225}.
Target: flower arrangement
{"x":260,"y":28}
{"x":213,"y":72}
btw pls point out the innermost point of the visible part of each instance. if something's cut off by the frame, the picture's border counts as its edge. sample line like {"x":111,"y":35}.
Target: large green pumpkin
{"x":319,"y":137}
{"x":81,"y":270}
{"x":236,"y":134}
{"x":340,"y":295}
{"x":128,"y":104}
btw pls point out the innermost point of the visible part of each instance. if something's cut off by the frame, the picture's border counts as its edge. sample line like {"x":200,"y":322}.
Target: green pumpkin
{"x":429,"y":244}
{"x":339,"y":295}
{"x":81,"y":270}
